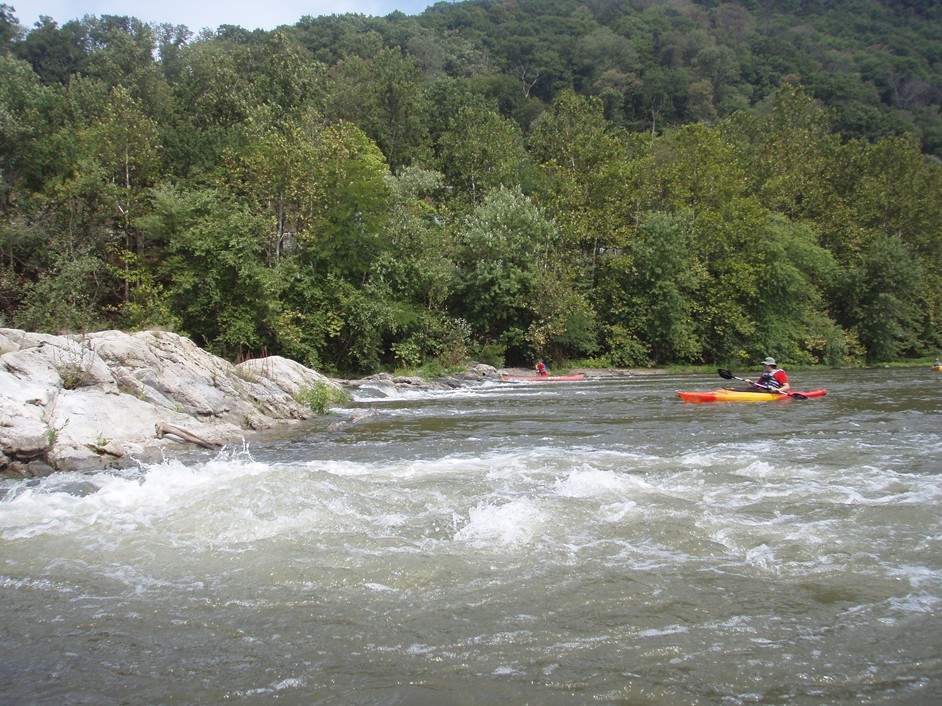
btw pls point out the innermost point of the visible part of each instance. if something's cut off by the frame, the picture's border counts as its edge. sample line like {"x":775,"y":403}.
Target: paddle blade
{"x":797,"y":395}
{"x":725,"y":374}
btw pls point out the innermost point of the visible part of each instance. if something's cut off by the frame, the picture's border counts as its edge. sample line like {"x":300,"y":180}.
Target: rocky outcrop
{"x":109,"y":399}
{"x":394,"y":384}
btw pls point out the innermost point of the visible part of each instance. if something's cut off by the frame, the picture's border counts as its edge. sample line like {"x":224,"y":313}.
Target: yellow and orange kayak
{"x":726,"y":395}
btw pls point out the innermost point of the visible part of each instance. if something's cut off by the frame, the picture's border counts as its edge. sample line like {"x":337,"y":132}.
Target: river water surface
{"x":599,"y":542}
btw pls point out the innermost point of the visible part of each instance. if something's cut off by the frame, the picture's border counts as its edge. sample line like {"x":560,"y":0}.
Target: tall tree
{"x":321,"y":185}
{"x":215,"y":269}
{"x":882,"y":295}
{"x":55,"y":53}
{"x":500,"y":262}
{"x":10,"y":29}
{"x":652,"y":289}
{"x":482,"y":152}
{"x":123,"y":145}
{"x":579,"y":156}
{"x":382,"y":95}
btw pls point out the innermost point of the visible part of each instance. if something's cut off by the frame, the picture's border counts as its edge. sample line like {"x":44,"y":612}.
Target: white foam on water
{"x":592,"y":482}
{"x":509,"y":524}
{"x":407,"y":468}
{"x":717,"y":505}
{"x":662,"y":632}
{"x":917,"y":603}
{"x":118,"y":502}
{"x":380,"y":392}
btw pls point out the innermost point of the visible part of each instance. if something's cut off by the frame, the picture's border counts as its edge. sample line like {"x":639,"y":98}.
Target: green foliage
{"x":637,"y":183}
{"x":504,"y":248}
{"x":489,"y":354}
{"x":792,"y":274}
{"x":67,"y":298}
{"x":383,"y":95}
{"x":418,"y":262}
{"x":481,"y":152}
{"x":656,"y":283}
{"x":320,"y":397}
{"x":565,"y":325}
{"x":882,"y":299}
{"x":303,"y":322}
{"x":215,"y":269}
{"x":584,"y":164}
{"x":321,"y":184}
{"x":625,"y":350}
{"x":148,"y":305}
{"x":27,"y":110}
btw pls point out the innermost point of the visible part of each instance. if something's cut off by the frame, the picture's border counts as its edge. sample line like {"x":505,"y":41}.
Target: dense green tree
{"x":63,"y":243}
{"x":305,"y":315}
{"x":55,"y":53}
{"x":792,"y":274}
{"x":215,"y":269}
{"x":27,"y":113}
{"x":579,"y":157}
{"x":320,"y":184}
{"x":331,"y":38}
{"x":10,"y":28}
{"x":502,"y":261}
{"x":288,"y":78}
{"x":640,"y":182}
{"x":881,"y":299}
{"x":481,"y":152}
{"x":125,"y":144}
{"x":67,"y":298}
{"x":382,"y":95}
{"x":652,"y":288}
{"x":121,"y":52}
{"x":785,"y":149}
{"x":419,"y":262}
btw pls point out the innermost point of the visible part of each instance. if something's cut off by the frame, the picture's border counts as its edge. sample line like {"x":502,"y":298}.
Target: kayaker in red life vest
{"x":541,"y":368}
{"x":772,"y":378}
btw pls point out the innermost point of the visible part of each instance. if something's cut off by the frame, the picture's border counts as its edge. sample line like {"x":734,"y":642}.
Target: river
{"x":600,"y":542}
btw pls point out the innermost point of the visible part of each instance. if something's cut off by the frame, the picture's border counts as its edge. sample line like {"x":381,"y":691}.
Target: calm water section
{"x":578,"y":543}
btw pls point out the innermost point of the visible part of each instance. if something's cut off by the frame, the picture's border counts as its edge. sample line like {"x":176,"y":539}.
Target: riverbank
{"x":111,"y":399}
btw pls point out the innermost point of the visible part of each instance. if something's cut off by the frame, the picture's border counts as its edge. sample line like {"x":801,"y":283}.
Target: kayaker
{"x":541,"y":368}
{"x":772,"y":378}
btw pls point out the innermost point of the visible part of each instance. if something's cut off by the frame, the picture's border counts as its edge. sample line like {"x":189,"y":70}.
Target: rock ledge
{"x":110,"y":399}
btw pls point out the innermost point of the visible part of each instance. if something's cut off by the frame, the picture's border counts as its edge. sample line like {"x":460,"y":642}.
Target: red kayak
{"x":575,"y":377}
{"x":725,"y":395}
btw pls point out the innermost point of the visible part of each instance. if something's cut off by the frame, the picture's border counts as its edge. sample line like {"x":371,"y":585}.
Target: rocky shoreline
{"x":111,"y":399}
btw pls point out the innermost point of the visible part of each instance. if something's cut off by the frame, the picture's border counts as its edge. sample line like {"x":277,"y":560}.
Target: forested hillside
{"x":630,"y":183}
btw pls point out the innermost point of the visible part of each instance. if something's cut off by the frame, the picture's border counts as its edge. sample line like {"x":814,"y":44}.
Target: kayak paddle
{"x":726,"y":375}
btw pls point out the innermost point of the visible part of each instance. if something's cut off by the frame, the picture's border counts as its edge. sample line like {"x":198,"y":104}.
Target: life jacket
{"x":769,"y":379}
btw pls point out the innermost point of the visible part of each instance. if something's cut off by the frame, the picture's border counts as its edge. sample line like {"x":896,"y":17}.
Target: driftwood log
{"x":163,"y":428}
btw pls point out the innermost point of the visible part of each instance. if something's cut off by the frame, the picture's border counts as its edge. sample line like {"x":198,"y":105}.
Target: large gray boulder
{"x":109,"y":399}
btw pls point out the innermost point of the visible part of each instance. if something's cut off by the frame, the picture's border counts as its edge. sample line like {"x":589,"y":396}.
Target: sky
{"x":202,"y":14}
